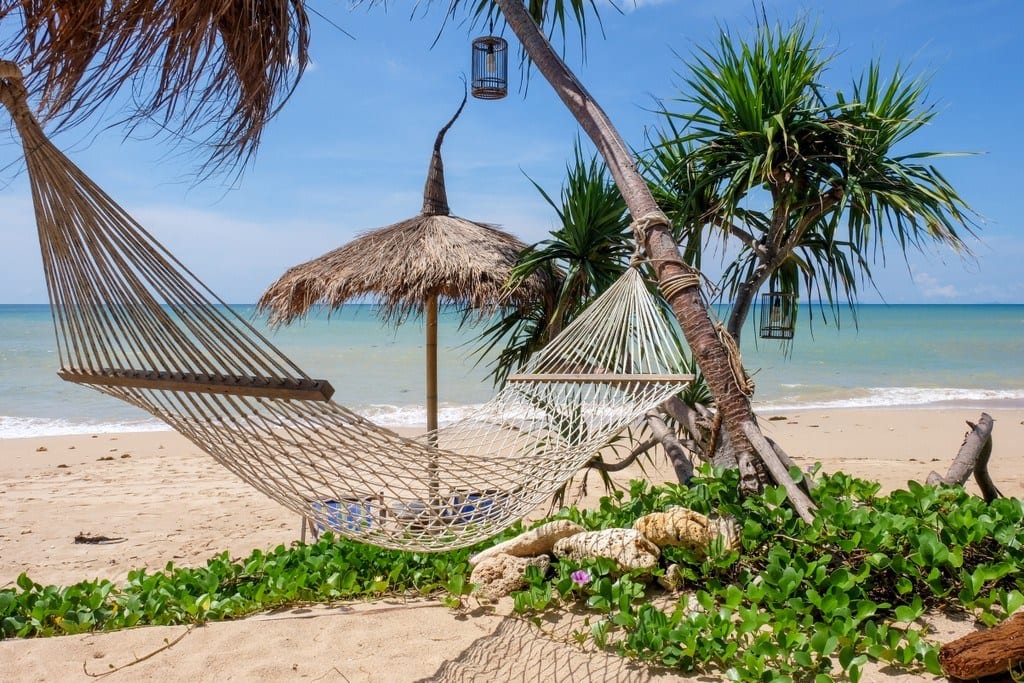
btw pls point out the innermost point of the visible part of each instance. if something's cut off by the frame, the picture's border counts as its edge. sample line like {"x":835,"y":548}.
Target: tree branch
{"x":824,"y":203}
{"x":739,"y":233}
{"x":673,"y":447}
{"x":801,"y":502}
{"x":973,"y":456}
{"x":602,"y":466}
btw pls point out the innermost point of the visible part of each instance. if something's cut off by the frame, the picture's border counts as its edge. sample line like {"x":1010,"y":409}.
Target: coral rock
{"x":679,"y":526}
{"x":498,"y":575}
{"x":539,"y":541}
{"x":729,"y":531}
{"x":672,"y":579}
{"x":627,"y":547}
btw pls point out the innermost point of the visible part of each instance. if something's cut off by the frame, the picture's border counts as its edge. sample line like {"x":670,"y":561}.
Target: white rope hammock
{"x":134,"y":323}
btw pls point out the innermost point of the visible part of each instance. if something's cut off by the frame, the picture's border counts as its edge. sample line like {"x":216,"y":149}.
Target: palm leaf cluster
{"x":211,"y":72}
{"x":810,"y":185}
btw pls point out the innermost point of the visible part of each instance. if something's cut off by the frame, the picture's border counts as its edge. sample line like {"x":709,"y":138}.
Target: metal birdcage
{"x":778,"y":315}
{"x":490,"y":68}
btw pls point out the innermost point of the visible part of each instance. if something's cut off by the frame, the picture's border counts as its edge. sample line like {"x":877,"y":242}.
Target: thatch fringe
{"x":403,"y":265}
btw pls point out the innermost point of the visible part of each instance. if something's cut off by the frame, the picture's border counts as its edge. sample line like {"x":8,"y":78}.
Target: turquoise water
{"x":908,"y":355}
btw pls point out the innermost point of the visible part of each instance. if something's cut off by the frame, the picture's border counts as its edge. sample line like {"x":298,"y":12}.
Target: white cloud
{"x":929,"y":286}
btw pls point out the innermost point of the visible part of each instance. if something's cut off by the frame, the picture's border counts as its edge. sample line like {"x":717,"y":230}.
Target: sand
{"x":161,"y":500}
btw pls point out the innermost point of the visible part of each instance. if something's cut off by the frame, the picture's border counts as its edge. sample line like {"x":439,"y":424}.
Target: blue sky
{"x":350,"y":150}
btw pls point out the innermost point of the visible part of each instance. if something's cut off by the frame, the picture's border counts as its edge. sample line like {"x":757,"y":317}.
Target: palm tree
{"x":758,"y":123}
{"x":219,"y":70}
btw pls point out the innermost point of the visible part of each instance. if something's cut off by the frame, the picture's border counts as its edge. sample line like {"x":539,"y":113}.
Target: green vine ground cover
{"x":795,"y":602}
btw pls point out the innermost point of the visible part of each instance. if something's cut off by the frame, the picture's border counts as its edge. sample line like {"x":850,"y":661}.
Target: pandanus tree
{"x":754,"y":126}
{"x":217,"y":71}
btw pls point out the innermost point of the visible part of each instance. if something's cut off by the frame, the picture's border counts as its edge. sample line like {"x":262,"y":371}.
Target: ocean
{"x":897,"y":355}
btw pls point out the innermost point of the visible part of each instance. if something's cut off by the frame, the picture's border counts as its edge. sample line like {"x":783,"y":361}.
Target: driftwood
{"x":687,"y":417}
{"x":672,"y":445}
{"x":802,"y":503}
{"x":973,"y":457}
{"x":985,"y":653}
{"x":806,"y":483}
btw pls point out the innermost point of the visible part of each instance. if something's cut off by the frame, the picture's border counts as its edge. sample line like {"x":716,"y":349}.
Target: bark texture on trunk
{"x":985,"y":653}
{"x":673,"y":447}
{"x":652,"y":227}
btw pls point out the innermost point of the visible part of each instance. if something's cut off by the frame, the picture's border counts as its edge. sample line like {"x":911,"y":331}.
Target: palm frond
{"x":212,"y":73}
{"x":753,"y":127}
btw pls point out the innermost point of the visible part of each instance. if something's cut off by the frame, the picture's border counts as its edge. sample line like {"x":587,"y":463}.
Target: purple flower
{"x":580,"y":577}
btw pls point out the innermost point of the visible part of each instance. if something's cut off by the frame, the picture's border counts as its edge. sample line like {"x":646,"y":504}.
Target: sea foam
{"x":29,"y":427}
{"x":885,"y":397}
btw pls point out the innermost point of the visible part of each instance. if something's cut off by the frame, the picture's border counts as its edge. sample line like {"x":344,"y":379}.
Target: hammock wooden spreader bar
{"x":295,"y":389}
{"x":597,"y":377}
{"x":134,"y":323}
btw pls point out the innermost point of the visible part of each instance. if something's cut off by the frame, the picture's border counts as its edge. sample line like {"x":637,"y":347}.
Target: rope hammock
{"x":134,"y":323}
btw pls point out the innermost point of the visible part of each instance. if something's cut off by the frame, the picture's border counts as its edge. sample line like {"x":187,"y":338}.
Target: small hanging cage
{"x":778,"y":315}
{"x":490,"y":68}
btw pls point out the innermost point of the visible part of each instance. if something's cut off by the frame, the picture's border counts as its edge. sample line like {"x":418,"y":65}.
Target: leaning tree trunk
{"x":745,"y":294}
{"x":680,"y":283}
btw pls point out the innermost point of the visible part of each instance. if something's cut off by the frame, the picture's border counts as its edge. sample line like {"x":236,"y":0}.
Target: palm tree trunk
{"x":653,"y":232}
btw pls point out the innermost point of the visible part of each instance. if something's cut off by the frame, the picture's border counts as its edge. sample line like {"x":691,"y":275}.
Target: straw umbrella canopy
{"x":410,"y":266}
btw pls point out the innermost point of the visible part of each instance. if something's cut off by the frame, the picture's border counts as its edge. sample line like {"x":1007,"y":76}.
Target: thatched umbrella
{"x":410,"y":266}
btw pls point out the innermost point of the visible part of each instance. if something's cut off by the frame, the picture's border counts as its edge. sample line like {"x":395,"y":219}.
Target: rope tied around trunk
{"x":739,"y":375}
{"x":678,"y":283}
{"x":642,"y":226}
{"x":673,"y":284}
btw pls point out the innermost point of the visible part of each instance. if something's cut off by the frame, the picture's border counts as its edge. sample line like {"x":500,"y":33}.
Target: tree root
{"x":673,"y":447}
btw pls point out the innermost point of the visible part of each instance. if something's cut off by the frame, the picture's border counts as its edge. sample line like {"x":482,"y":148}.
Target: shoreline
{"x":412,"y":420}
{"x":172,"y":502}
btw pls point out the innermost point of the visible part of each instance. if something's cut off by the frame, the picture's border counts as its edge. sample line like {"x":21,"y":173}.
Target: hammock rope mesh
{"x":134,"y":323}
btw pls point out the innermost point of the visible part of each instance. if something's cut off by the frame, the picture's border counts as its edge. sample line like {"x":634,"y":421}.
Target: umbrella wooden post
{"x":432,"y":366}
{"x":432,"y":478}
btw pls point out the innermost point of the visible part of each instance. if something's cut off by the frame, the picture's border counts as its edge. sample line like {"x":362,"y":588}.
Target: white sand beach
{"x":171,"y":503}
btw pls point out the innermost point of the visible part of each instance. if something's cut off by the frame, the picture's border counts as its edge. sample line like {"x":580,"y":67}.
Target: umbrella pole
{"x":432,"y":475}
{"x":432,"y":366}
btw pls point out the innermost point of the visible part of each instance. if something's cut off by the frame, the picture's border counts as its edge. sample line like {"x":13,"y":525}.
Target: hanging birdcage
{"x":490,"y":68}
{"x":778,"y":315}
